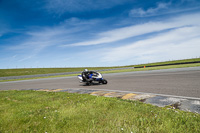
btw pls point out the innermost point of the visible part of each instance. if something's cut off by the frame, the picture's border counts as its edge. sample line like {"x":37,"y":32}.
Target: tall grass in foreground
{"x":61,"y":112}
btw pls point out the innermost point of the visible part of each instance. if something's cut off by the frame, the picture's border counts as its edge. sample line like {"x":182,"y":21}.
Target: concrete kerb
{"x":174,"y":102}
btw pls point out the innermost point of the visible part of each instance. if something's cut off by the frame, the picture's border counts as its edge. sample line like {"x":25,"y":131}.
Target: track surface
{"x":179,"y":82}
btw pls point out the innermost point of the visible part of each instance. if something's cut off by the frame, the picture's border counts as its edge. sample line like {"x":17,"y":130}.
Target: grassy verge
{"x":114,"y":71}
{"x":34,"y":71}
{"x":154,"y":68}
{"x":167,"y":62}
{"x":56,"y":112}
{"x":38,"y":77}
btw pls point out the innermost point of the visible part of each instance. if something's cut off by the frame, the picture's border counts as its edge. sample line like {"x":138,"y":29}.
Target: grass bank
{"x":56,"y":112}
{"x":154,"y":68}
{"x":57,"y":76}
{"x":168,"y":62}
{"x":35,"y":71}
{"x":114,"y":71}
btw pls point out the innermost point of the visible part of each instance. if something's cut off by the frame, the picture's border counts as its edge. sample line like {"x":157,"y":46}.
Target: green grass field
{"x":167,"y":62}
{"x":62,"y":112}
{"x":34,"y":71}
{"x":115,"y":71}
{"x":154,"y":68}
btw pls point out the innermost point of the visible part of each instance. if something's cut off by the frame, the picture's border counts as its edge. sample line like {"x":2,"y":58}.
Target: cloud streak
{"x":162,"y":8}
{"x":70,"y":6}
{"x":38,"y":39}
{"x":176,"y":44}
{"x":141,"y":12}
{"x":140,"y":29}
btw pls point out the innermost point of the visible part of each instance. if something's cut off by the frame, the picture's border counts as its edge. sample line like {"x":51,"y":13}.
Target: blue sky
{"x":77,"y":33}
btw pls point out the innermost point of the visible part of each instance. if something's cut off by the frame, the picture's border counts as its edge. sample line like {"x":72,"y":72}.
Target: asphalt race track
{"x":178,"y":82}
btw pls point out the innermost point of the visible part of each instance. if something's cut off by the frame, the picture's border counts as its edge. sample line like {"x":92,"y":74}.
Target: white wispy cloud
{"x":62,"y":6}
{"x":3,"y":29}
{"x":175,"y":44}
{"x":26,"y":58}
{"x":140,"y":29}
{"x":150,"y":11}
{"x":39,"y":39}
{"x":171,"y":7}
{"x":36,"y":41}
